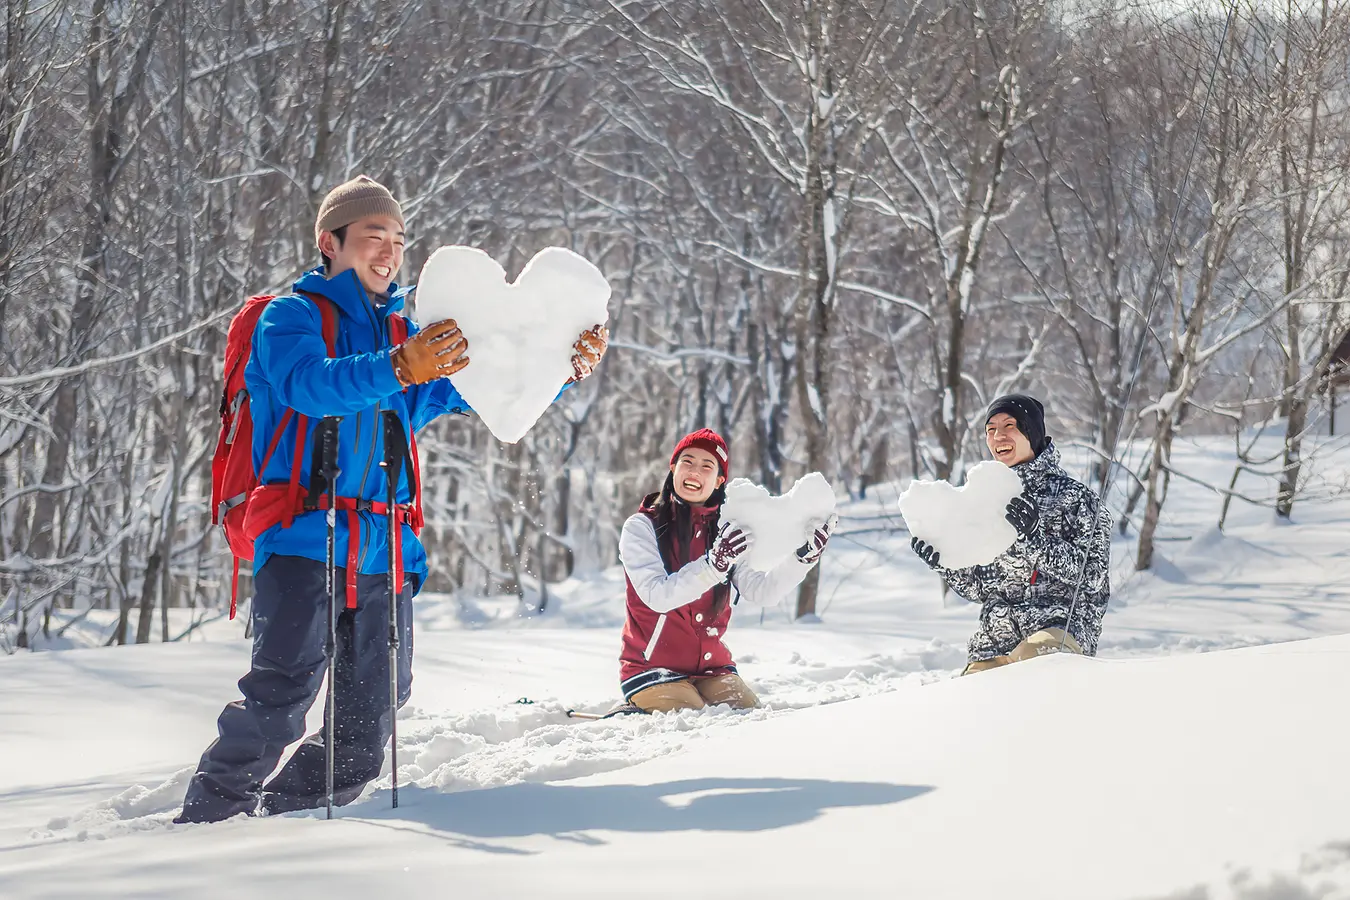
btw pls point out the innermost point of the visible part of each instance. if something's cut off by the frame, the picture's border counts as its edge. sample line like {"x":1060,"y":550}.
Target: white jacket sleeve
{"x":768,"y":588}
{"x":641,"y":558}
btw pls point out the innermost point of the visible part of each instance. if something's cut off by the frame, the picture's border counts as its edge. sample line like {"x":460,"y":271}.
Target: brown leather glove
{"x":587,"y":352}
{"x":434,"y":352}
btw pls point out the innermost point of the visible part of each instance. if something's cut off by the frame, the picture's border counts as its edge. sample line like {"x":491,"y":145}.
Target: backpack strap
{"x":398,"y":333}
{"x":328,"y":327}
{"x":328,"y":319}
{"x":398,"y":329}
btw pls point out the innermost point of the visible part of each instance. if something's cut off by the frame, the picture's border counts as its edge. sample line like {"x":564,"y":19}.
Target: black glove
{"x":1022,"y":515}
{"x":812,"y":549}
{"x":926,"y":552}
{"x":727,"y":548}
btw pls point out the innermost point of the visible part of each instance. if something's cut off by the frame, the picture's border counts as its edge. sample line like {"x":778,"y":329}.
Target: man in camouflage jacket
{"x":1049,"y":590}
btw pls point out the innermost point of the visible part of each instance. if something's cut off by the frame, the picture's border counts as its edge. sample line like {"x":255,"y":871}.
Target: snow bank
{"x":1209,"y":776}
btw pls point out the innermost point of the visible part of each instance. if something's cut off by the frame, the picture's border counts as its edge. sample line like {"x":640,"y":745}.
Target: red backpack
{"x":241,"y":506}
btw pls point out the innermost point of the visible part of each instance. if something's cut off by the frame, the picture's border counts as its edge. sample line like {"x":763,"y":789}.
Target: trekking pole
{"x":395,"y":451}
{"x":326,"y":444}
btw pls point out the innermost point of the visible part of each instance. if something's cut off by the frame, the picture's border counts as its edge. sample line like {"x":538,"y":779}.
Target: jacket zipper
{"x":375,"y":428}
{"x":381,"y":337}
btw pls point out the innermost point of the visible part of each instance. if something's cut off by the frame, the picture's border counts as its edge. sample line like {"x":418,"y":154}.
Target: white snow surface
{"x":778,"y":525}
{"x":965,"y":524}
{"x":520,"y":333}
{"x":1153,"y":772}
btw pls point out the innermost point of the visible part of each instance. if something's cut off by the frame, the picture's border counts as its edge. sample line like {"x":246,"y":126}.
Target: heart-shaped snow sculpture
{"x":520,"y":333}
{"x":966,"y":525}
{"x":778,"y":525}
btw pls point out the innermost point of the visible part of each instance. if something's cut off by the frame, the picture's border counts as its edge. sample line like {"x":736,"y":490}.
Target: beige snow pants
{"x":696,"y":694}
{"x":1047,"y":640}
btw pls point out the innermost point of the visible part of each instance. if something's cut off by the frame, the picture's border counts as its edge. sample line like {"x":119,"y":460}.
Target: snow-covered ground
{"x":1150,"y":772}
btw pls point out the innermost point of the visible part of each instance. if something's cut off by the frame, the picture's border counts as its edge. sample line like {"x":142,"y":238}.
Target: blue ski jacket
{"x":290,"y":367}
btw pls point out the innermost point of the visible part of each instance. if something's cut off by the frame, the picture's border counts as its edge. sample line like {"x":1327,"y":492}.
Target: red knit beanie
{"x":705,"y":439}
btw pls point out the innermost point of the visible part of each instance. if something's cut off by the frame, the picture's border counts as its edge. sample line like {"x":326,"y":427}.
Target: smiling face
{"x":696,"y":476}
{"x":373,"y":249}
{"x":1008,"y":444}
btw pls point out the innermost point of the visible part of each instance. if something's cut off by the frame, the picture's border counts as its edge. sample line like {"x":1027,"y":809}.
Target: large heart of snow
{"x":965,"y":524}
{"x":520,"y":333}
{"x":778,"y":525}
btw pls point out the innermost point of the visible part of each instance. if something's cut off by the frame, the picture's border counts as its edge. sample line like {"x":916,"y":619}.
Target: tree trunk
{"x":124,"y":556}
{"x":20,"y":619}
{"x":1331,"y":395}
{"x":1157,"y":493}
{"x":813,"y":329}
{"x":1293,"y":447}
{"x":324,"y":117}
{"x":562,"y":503}
{"x":949,"y":413}
{"x":874,"y":472}
{"x":810,"y":588}
{"x":148,"y":586}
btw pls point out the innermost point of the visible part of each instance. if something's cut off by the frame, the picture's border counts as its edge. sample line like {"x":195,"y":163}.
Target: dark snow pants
{"x":290,"y":628}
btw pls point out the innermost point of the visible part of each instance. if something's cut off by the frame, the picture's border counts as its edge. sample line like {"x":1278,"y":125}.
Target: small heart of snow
{"x":520,"y":333}
{"x":965,"y":524}
{"x":778,"y":525}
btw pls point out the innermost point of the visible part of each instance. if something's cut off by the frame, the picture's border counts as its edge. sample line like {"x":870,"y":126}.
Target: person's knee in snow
{"x":727,"y":690}
{"x":670,"y":697}
{"x":1041,"y":643}
{"x":1046,"y":641}
{"x":984,"y":665}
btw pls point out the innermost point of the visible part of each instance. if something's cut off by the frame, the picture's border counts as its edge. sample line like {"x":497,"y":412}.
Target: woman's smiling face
{"x":696,"y":475}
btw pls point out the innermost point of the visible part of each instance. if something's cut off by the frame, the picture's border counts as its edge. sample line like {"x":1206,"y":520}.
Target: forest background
{"x":835,"y":229}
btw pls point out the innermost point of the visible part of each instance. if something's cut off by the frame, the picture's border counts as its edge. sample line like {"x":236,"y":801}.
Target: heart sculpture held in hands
{"x":966,"y":525}
{"x":520,"y":333}
{"x":777,"y":525}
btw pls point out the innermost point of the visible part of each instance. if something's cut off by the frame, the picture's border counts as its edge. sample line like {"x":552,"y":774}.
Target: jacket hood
{"x":347,"y":292}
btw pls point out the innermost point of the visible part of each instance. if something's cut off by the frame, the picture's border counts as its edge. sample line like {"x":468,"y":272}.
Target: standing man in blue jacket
{"x":360,"y":233}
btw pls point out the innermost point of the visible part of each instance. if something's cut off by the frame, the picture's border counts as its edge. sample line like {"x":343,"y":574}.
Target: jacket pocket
{"x":656,"y":636}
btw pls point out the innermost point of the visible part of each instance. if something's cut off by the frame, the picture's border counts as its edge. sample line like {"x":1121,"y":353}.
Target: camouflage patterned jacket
{"x":1033,"y":584}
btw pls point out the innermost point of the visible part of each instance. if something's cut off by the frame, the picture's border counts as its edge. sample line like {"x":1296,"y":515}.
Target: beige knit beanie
{"x":352,"y":200}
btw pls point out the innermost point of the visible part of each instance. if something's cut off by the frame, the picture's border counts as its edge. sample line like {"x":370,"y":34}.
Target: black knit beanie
{"x":1029,"y":415}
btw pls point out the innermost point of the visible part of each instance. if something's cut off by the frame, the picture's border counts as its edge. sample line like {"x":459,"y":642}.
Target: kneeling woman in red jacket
{"x":681,"y":570}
